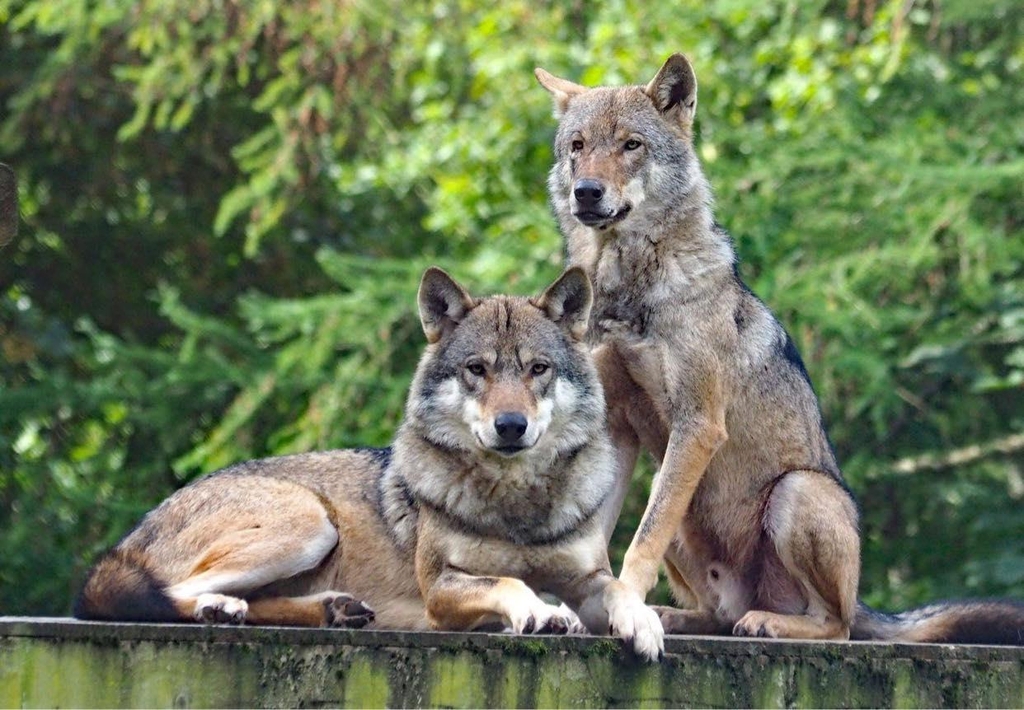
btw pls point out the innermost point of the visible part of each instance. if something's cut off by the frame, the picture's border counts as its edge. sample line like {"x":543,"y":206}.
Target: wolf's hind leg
{"x":241,"y":561}
{"x":329,"y":608}
{"x":812,"y":523}
{"x":690,"y":621}
{"x":215,"y":608}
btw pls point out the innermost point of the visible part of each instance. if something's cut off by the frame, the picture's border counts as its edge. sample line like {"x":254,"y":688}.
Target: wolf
{"x":490,"y":493}
{"x":748,"y":511}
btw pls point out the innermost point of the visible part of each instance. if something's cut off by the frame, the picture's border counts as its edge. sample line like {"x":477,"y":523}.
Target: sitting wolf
{"x":749,"y":511}
{"x":491,"y":490}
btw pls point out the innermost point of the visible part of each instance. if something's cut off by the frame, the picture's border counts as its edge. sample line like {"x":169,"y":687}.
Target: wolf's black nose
{"x":510,"y":426}
{"x":588,"y":192}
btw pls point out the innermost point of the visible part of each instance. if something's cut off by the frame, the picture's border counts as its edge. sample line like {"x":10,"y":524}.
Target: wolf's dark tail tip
{"x":997,"y":622}
{"x":120,"y":588}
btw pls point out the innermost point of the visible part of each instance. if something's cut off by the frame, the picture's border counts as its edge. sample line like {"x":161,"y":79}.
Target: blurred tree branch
{"x":964,"y":456}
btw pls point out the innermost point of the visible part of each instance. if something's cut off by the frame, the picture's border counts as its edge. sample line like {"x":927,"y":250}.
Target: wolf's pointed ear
{"x":443,"y":304}
{"x":562,"y":90}
{"x":567,"y":301}
{"x":674,"y":89}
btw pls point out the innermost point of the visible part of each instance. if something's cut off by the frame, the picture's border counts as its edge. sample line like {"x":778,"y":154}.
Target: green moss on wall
{"x":56,"y":663}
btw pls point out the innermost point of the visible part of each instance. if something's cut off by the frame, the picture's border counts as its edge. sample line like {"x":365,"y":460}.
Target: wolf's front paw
{"x":575,"y":626}
{"x":220,"y":609}
{"x":542,"y":618}
{"x":345,"y":611}
{"x":635,"y":622}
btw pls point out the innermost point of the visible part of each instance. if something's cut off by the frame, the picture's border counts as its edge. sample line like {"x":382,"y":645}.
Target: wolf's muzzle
{"x":510,"y":427}
{"x":588,"y":204}
{"x":588,"y":194}
{"x":601,"y":220}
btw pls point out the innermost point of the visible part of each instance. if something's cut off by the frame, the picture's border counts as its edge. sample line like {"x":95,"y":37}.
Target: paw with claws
{"x":636,"y":623}
{"x":220,"y":609}
{"x":345,"y":611}
{"x":576,"y":626}
{"x":543,"y":618}
{"x":758,"y":623}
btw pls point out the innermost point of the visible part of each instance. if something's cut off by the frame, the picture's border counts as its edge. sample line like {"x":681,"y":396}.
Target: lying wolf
{"x":491,"y":490}
{"x":748,"y":511}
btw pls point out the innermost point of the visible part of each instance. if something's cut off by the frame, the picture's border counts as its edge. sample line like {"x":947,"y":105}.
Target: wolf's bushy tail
{"x":983,"y":621}
{"x":121,"y":588}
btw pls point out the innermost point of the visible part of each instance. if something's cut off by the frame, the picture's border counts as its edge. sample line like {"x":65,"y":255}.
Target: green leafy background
{"x":227,"y":205}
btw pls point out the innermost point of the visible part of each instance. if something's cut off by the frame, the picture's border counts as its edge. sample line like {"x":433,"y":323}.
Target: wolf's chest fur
{"x":636,"y":274}
{"x":623,"y":276}
{"x":522,"y":504}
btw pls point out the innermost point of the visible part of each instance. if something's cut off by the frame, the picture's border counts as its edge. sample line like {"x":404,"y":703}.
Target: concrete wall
{"x":62,"y":663}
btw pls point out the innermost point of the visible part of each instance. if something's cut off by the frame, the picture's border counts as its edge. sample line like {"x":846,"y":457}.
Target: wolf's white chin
{"x":495,"y":447}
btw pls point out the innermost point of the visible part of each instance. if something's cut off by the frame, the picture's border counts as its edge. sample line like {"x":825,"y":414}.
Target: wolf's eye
{"x":476,"y":369}
{"x":632,"y":144}
{"x":539,"y":368}
{"x":577,"y":144}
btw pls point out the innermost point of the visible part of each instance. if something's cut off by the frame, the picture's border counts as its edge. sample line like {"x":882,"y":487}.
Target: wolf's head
{"x":506,"y":376}
{"x":624,"y":155}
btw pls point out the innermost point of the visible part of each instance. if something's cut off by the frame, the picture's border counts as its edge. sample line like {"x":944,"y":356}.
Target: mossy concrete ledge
{"x":66,"y":663}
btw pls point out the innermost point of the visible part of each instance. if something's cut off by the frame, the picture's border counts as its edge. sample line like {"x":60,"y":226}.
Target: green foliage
{"x":227,"y":206}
